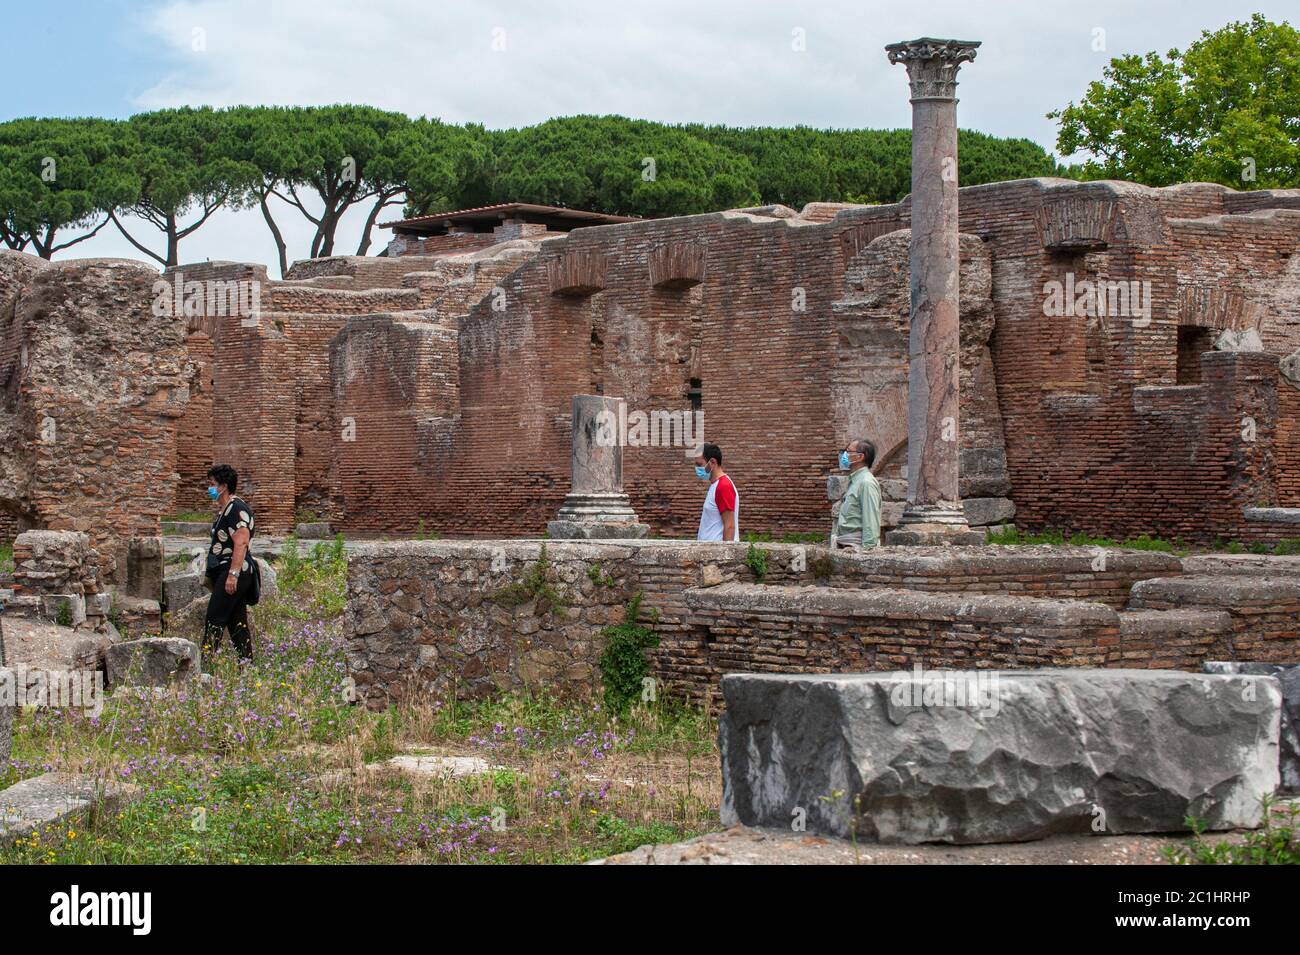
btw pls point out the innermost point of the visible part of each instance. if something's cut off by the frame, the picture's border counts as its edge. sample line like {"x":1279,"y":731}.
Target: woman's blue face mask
{"x":213,"y":492}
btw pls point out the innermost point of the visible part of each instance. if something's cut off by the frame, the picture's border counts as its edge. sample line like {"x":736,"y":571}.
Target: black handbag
{"x":254,"y":585}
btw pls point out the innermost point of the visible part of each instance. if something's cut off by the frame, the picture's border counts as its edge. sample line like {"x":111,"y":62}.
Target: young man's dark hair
{"x":713,"y":452}
{"x":868,"y":451}
{"x":225,"y":474}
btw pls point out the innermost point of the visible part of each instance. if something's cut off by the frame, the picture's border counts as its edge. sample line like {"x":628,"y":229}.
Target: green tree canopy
{"x":1227,"y":110}
{"x":616,"y":165}
{"x":59,"y":176}
{"x":178,"y":164}
{"x":172,"y":169}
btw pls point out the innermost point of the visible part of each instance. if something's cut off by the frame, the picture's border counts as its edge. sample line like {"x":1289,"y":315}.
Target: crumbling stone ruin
{"x":1126,"y":366}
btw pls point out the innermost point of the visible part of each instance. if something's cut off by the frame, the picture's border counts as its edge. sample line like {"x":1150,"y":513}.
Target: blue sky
{"x":512,"y":63}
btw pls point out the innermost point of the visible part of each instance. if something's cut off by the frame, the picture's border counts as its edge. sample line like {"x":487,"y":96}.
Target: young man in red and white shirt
{"x":720,"y":519}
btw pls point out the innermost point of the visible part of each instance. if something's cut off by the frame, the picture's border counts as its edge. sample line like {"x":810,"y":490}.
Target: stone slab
{"x":40,"y":645}
{"x":1226,"y":591}
{"x":182,"y":589}
{"x":985,"y":511}
{"x":912,"y":536}
{"x":1258,"y":565}
{"x":53,"y":799}
{"x":1273,"y":515}
{"x":7,"y":711}
{"x":1288,"y":677}
{"x":434,"y":766}
{"x":186,"y":528}
{"x":593,"y":530}
{"x":154,"y":661}
{"x":1041,"y":753}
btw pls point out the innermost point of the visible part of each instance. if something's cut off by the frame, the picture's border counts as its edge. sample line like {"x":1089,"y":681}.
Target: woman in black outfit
{"x":231,"y":532}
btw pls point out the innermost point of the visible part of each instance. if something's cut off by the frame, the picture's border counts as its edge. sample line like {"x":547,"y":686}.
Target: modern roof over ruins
{"x":485,"y":218}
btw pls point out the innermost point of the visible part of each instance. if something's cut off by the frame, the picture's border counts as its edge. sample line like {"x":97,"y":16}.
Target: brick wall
{"x":749,"y":628}
{"x":793,"y":332}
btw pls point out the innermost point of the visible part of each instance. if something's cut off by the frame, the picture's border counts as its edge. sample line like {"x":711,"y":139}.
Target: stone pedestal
{"x":933,"y":513}
{"x":596,"y":507}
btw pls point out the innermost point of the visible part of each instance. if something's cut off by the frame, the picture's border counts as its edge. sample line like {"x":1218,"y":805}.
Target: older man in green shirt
{"x":858,"y":523}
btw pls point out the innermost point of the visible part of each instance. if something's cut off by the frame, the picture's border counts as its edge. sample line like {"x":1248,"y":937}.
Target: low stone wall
{"x":753,"y":628}
{"x":1265,"y":611}
{"x":450,"y":616}
{"x":456,"y":618}
{"x":1076,"y":573}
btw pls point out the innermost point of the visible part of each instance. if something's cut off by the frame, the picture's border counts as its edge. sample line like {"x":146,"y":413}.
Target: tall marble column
{"x":596,"y":506}
{"x":933,"y":514}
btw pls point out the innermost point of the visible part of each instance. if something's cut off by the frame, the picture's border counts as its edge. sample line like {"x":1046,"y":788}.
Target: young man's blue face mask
{"x":701,"y":472}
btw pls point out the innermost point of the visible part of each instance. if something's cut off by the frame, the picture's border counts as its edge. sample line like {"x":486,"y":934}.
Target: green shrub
{"x":1277,"y":842}
{"x":756,"y":561}
{"x":623,"y":666}
{"x":596,"y":573}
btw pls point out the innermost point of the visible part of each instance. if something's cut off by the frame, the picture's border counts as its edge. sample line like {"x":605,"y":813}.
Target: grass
{"x":6,"y":558}
{"x":190,"y":517}
{"x":271,"y":764}
{"x":767,"y":537}
{"x":1014,"y":536}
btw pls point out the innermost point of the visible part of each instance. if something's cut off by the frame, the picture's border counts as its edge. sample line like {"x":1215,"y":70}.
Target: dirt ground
{"x":744,"y":846}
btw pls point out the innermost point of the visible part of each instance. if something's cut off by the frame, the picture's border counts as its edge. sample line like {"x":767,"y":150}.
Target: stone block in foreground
{"x":154,"y":661}
{"x":6,"y":715}
{"x":53,"y":799}
{"x":1288,"y":677}
{"x":1035,"y":753}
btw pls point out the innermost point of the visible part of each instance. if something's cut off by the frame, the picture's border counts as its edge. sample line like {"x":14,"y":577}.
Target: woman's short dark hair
{"x":224,"y":474}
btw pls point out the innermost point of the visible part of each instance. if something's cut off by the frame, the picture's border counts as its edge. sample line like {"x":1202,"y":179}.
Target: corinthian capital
{"x":932,"y":65}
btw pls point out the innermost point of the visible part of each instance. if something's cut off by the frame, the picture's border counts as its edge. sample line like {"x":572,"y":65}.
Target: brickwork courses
{"x":384,"y":394}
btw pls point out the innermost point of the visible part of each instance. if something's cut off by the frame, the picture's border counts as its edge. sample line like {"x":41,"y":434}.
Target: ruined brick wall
{"x":1287,"y":460}
{"x":16,"y":273}
{"x":733,"y":307}
{"x":748,"y":628}
{"x":364,"y":271}
{"x":1100,"y":435}
{"x":194,"y":428}
{"x":403,"y":246}
{"x":91,"y":405}
{"x":264,"y":398}
{"x":396,"y":395}
{"x":791,"y":331}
